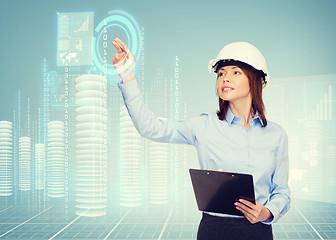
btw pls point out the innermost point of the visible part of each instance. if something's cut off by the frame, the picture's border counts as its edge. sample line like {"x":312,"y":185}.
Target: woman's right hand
{"x":123,"y":61}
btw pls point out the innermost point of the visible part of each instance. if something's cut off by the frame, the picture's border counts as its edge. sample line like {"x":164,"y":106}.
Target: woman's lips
{"x":227,"y":89}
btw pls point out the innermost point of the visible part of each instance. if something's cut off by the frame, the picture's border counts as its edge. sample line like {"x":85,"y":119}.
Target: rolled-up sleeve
{"x":279,"y":199}
{"x":150,"y":126}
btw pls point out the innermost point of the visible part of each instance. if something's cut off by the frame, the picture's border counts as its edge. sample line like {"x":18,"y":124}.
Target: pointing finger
{"x":117,"y":46}
{"x":123,"y":45}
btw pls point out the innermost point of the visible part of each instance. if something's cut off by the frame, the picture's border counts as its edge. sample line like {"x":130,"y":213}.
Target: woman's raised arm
{"x":123,"y":61}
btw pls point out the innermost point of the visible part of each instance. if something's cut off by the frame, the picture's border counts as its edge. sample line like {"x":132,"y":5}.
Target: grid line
{"x":24,"y":222}
{"x":117,"y":224}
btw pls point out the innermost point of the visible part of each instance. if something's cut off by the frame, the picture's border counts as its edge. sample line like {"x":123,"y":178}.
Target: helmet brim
{"x":215,"y":64}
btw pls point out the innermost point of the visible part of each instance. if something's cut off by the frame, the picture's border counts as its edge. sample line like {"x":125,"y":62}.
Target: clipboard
{"x":217,"y":191}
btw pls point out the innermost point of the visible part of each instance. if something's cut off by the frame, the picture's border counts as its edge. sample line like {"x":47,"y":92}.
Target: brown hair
{"x":255,"y":83}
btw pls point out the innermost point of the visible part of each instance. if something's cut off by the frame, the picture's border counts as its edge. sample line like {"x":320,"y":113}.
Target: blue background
{"x":297,"y":39}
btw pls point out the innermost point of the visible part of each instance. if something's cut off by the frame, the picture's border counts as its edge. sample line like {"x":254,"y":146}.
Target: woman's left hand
{"x":253,"y":212}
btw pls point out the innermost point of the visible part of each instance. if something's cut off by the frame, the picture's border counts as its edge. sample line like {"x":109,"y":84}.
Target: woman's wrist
{"x":267,"y":214}
{"x":127,"y":77}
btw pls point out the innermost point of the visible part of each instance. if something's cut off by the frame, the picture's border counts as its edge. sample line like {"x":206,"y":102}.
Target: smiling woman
{"x":243,"y":66}
{"x":238,"y":138}
{"x":233,"y":87}
{"x":250,"y":81}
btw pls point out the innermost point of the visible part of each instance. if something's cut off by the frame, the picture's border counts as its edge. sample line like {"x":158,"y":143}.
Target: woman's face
{"x":233,"y":84}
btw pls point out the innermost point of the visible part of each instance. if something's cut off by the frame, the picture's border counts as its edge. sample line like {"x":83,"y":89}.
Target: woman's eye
{"x":236,"y":72}
{"x":221,"y":74}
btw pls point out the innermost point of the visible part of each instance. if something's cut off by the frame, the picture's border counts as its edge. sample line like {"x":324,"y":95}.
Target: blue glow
{"x":132,"y":30}
{"x":100,"y":34}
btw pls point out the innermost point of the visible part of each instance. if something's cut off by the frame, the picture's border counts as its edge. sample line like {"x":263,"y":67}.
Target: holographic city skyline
{"x":77,"y":151}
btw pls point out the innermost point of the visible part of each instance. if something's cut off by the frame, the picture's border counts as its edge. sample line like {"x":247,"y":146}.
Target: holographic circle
{"x":127,"y":24}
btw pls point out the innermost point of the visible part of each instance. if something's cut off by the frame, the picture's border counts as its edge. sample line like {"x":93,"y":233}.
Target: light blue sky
{"x":296,"y":37}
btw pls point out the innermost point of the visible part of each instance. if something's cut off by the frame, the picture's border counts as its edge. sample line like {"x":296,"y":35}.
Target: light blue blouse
{"x":260,"y":151}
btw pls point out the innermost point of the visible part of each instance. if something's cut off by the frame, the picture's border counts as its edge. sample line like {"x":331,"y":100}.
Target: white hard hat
{"x":241,"y":54}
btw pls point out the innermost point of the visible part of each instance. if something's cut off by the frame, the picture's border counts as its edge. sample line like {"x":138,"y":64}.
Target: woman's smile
{"x":233,"y":84}
{"x":227,"y":89}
